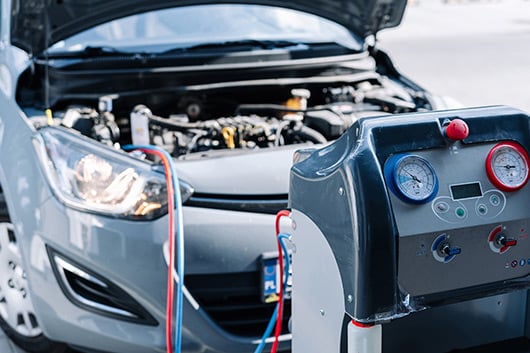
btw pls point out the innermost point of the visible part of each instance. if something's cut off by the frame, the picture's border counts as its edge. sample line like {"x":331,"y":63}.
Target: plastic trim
{"x":126,"y":309}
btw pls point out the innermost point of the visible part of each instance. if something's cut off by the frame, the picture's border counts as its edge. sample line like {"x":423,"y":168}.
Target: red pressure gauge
{"x":507,"y":166}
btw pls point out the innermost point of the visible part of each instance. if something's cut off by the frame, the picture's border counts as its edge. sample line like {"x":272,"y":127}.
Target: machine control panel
{"x":460,"y":258}
{"x":458,"y":186}
{"x":460,"y":210}
{"x":486,"y":205}
{"x":417,"y":210}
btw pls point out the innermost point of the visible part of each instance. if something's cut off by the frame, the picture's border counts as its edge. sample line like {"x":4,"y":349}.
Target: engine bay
{"x":236,"y":116}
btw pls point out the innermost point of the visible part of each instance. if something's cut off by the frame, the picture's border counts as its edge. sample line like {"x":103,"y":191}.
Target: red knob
{"x":457,"y":130}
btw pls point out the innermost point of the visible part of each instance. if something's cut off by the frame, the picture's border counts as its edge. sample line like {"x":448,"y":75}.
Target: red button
{"x":457,"y":130}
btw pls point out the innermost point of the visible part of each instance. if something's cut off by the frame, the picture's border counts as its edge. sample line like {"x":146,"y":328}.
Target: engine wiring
{"x":174,"y":203}
{"x":237,"y":132}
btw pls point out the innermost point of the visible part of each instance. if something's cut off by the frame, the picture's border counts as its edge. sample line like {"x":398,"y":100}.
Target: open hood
{"x":37,"y":24}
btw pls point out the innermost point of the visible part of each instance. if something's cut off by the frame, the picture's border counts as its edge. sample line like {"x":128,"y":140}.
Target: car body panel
{"x":131,"y":256}
{"x":264,"y":172}
{"x":38,"y":24}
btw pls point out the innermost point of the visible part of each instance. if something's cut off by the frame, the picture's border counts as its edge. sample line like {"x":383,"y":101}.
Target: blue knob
{"x":454,"y":251}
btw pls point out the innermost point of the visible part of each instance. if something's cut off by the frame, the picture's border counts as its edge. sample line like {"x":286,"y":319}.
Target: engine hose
{"x":175,"y":125}
{"x":282,"y":108}
{"x":310,"y":134}
{"x":174,"y":204}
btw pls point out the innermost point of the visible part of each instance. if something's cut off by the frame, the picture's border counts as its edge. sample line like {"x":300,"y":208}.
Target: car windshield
{"x":191,"y":26}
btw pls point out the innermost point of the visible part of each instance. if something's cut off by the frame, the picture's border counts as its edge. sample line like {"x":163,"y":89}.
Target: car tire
{"x":17,"y":316}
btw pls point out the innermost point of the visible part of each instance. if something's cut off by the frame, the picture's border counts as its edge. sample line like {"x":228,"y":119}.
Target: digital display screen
{"x":466,"y":191}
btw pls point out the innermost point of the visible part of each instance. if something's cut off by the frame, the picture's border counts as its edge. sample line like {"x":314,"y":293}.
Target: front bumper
{"x":130,"y":256}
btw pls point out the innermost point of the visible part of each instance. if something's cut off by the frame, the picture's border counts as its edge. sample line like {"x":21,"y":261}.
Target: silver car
{"x":230,"y":91}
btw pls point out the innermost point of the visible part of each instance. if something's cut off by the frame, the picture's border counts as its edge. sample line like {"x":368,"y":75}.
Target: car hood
{"x":37,"y":24}
{"x":262,"y":172}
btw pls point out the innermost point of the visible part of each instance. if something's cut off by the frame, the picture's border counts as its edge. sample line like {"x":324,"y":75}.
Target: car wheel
{"x":17,"y":316}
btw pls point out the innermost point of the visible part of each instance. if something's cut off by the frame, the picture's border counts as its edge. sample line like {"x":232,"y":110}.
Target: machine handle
{"x":447,"y":250}
{"x":506,"y":242}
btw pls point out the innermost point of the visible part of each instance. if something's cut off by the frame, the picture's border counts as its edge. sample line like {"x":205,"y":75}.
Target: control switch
{"x":442,"y":250}
{"x":503,"y":241}
{"x":447,"y":250}
{"x":500,"y":242}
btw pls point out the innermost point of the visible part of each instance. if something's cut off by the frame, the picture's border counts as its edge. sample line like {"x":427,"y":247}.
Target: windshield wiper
{"x":109,"y":51}
{"x":209,"y":47}
{"x":97,"y":51}
{"x":244,"y":44}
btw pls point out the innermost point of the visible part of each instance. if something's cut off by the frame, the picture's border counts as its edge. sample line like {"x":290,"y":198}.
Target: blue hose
{"x":180,"y":239}
{"x":270,"y":326}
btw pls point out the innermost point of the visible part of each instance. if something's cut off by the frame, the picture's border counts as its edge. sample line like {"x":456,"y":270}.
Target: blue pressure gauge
{"x":411,"y":178}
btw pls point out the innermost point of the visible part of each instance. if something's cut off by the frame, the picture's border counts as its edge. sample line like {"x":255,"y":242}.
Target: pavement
{"x":474,"y":51}
{"x":477,"y":52}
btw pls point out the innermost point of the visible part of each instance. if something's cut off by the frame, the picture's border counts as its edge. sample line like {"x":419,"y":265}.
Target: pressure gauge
{"x":411,"y":178}
{"x":507,"y":166}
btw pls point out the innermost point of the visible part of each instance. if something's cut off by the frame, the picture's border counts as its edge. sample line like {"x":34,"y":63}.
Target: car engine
{"x":239,"y":118}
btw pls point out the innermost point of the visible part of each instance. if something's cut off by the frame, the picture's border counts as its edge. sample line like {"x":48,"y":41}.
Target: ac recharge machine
{"x":411,"y":234}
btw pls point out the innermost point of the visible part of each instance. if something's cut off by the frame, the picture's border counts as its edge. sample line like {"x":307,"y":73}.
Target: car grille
{"x":233,"y":301}
{"x":269,"y":204}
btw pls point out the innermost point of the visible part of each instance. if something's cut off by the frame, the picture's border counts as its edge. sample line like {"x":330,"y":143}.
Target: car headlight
{"x":97,"y":179}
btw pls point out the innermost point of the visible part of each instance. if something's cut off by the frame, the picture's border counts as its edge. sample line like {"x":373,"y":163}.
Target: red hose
{"x":279,"y":318}
{"x":171,"y":243}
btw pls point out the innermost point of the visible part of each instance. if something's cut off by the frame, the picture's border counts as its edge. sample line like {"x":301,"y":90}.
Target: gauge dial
{"x":507,"y":166}
{"x":413,"y":178}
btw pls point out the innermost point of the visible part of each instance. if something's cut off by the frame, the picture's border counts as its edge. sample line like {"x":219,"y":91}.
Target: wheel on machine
{"x":17,"y":316}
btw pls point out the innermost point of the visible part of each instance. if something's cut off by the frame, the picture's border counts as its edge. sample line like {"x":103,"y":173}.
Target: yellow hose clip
{"x":228,"y":135}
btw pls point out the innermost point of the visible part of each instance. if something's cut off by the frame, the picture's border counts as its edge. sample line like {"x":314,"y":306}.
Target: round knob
{"x":442,"y":250}
{"x":499,"y":241}
{"x":504,"y":242}
{"x":457,"y":130}
{"x":445,"y":249}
